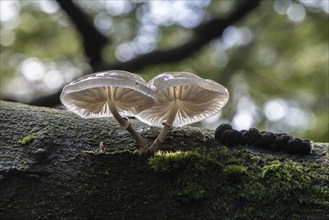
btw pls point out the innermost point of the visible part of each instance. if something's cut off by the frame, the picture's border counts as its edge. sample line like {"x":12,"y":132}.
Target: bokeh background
{"x":272,"y":55}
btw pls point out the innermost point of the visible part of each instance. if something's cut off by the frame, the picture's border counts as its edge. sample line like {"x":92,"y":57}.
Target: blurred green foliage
{"x":277,"y":57}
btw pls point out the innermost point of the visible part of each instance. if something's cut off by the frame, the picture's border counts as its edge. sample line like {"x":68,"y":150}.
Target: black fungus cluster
{"x":264,"y":139}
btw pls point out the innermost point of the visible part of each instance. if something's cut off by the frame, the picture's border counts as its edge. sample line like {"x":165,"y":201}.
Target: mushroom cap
{"x":90,"y":96}
{"x":195,"y":98}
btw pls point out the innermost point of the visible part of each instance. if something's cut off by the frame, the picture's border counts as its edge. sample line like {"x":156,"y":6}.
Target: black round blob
{"x":231,"y":137}
{"x":294,"y":145}
{"x":307,"y":147}
{"x":220,"y":129}
{"x":281,"y":141}
{"x":298,"y":146}
{"x":237,"y":135}
{"x":244,"y":138}
{"x":227,"y":137}
{"x":267,"y":140}
{"x":253,"y":135}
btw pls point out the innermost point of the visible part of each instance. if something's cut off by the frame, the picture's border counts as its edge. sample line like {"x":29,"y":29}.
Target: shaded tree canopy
{"x":271,"y":55}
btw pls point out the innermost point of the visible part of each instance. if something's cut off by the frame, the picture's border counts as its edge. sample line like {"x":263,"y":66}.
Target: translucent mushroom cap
{"x":195,"y":99}
{"x":90,"y":96}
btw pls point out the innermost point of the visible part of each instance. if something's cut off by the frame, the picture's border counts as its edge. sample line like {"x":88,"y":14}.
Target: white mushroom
{"x":112,"y":93}
{"x":182,"y":98}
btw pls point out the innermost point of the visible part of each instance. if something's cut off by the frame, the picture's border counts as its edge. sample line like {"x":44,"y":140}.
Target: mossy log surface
{"x":51,"y":168}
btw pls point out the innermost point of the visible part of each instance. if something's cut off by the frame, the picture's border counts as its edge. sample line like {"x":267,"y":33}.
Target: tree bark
{"x":51,"y":167}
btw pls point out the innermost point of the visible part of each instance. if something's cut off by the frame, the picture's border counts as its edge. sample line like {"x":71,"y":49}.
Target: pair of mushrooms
{"x":168,"y":100}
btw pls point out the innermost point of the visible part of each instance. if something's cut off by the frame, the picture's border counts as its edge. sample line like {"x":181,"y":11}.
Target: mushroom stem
{"x":126,"y":124}
{"x":167,"y":126}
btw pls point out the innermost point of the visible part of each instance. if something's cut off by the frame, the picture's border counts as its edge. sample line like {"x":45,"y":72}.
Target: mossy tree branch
{"x":51,"y":168}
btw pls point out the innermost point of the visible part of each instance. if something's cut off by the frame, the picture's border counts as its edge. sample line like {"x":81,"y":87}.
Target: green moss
{"x":28,"y":139}
{"x":281,"y":188}
{"x":187,"y":170}
{"x":235,"y":172}
{"x":264,"y":187}
{"x":172,"y":161}
{"x":271,"y":169}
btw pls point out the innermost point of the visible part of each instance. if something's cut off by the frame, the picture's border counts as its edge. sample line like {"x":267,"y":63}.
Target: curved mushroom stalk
{"x":108,"y":94}
{"x":124,"y":123}
{"x":182,"y":98}
{"x":167,"y":126}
